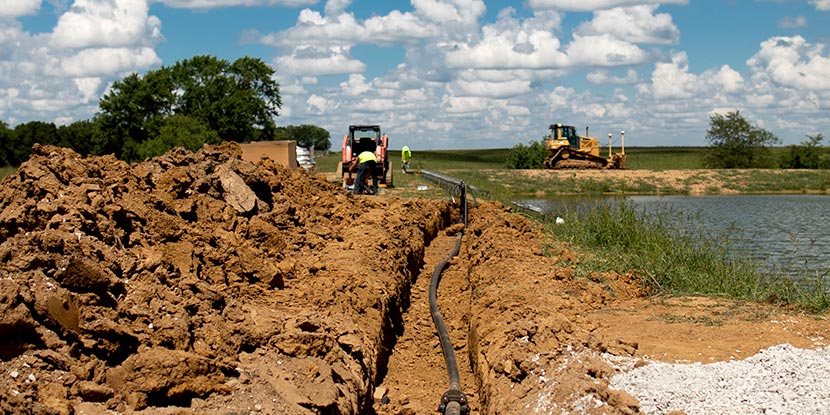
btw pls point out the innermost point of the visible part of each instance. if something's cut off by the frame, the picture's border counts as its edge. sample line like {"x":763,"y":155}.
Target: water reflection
{"x":788,"y":234}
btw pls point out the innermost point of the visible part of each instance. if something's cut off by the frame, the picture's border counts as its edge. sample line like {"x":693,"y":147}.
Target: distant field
{"x":665,"y":158}
{"x":639,"y":158}
{"x":652,"y":170}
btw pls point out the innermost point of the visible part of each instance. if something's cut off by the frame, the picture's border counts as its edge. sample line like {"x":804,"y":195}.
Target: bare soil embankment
{"x":689,"y":181}
{"x":205,"y":284}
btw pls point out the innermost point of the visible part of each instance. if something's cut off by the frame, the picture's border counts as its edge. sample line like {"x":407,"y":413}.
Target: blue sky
{"x":441,"y":74}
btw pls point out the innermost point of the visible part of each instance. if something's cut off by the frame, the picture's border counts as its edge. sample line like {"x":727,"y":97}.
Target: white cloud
{"x":320,"y":105}
{"x":510,"y":44}
{"x":589,"y":5}
{"x":637,"y":24}
{"x":314,"y":29}
{"x":539,"y":50}
{"x":603,"y":50}
{"x":531,"y":44}
{"x":57,"y":76}
{"x":334,"y":7}
{"x":789,"y":22}
{"x":673,"y":80}
{"x":602,"y":77}
{"x":315,"y":61}
{"x":211,"y":4}
{"x":88,"y":87}
{"x":11,"y":35}
{"x":108,"y":61}
{"x":374,"y":105}
{"x":292,"y":89}
{"x":115,"y":23}
{"x":724,"y":79}
{"x":821,"y":4}
{"x":356,"y":85}
{"x":560,"y":97}
{"x":479,"y":88}
{"x":792,"y":62}
{"x":452,"y":12}
{"x":17,"y":8}
{"x":460,"y":105}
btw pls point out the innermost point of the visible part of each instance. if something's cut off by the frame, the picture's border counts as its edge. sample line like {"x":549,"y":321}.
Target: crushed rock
{"x":780,"y":380}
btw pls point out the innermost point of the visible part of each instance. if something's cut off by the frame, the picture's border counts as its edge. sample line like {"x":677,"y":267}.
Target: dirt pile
{"x":200,"y":283}
{"x":196,"y":280}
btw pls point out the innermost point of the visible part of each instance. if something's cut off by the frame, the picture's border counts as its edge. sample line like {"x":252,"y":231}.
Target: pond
{"x":787,"y":234}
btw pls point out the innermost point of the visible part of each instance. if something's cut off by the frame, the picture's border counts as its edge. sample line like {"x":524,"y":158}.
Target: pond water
{"x":786,"y":234}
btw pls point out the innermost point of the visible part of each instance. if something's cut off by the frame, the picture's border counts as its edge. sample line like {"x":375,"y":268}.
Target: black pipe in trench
{"x":453,"y":402}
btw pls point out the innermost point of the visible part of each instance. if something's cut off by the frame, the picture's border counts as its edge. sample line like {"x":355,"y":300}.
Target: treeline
{"x":733,"y":144}
{"x":197,"y":101}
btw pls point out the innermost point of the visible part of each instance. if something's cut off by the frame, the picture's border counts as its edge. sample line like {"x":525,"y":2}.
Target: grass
{"x":7,"y":171}
{"x":675,"y":257}
{"x":665,"y":158}
{"x":669,"y":258}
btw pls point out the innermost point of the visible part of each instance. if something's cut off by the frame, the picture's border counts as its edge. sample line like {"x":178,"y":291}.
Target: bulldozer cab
{"x":565,"y":132}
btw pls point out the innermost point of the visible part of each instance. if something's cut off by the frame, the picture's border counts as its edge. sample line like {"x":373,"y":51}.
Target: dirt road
{"x":205,"y":284}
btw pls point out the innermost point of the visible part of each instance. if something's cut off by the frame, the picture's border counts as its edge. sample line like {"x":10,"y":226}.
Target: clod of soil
{"x":199,"y":283}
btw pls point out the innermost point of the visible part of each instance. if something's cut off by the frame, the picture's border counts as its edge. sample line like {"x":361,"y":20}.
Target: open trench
{"x":415,"y":375}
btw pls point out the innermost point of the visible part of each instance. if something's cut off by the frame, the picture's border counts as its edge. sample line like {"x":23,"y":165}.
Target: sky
{"x":448,"y":74}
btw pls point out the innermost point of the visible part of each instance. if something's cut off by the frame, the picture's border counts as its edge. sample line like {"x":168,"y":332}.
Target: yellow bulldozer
{"x":568,"y":150}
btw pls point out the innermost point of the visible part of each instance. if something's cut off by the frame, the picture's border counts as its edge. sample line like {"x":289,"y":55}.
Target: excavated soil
{"x":200,"y":283}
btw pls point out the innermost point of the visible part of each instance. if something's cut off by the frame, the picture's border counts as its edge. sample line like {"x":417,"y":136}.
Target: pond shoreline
{"x":541,"y":183}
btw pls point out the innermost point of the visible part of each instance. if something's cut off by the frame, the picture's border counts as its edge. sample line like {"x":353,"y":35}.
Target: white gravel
{"x":779,"y":380}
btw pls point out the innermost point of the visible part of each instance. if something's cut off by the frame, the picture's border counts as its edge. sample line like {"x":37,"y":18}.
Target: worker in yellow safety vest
{"x":366,"y":161}
{"x":406,"y":155}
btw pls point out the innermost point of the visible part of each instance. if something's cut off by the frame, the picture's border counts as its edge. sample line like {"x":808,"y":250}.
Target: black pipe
{"x":453,"y":401}
{"x":438,"y":319}
{"x":464,"y":203}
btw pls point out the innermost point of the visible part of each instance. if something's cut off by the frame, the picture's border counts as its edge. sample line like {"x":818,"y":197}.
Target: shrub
{"x":531,"y":156}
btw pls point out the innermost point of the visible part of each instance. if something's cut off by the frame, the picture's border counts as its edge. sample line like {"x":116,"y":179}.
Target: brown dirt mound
{"x":199,"y":283}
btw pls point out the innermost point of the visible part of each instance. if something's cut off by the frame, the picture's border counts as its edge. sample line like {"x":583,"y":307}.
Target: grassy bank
{"x":675,"y":257}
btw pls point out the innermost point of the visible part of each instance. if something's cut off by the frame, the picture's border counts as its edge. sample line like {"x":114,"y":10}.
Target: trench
{"x":414,"y":376}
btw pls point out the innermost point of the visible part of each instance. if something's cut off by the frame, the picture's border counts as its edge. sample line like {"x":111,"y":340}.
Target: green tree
{"x":531,"y":156}
{"x":237,"y":100}
{"x":133,"y":111}
{"x":807,"y":155}
{"x":25,"y":136}
{"x":306,"y":136}
{"x":734,"y":143}
{"x":5,"y":143}
{"x":178,"y":131}
{"x":78,"y":136}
